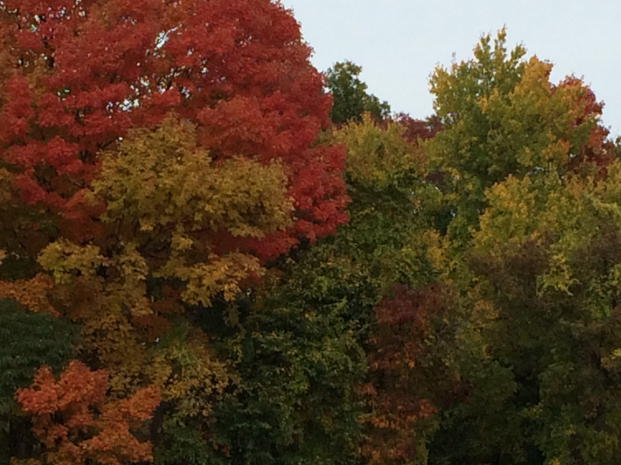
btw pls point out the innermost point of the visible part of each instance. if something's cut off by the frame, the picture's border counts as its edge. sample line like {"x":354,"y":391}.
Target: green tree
{"x":303,"y":340}
{"x":350,"y":99}
{"x":546,"y":265}
{"x":617,"y":145}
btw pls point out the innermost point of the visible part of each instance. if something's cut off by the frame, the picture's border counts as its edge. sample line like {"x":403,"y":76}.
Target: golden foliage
{"x":189,"y":377}
{"x":164,"y":182}
{"x":379,"y":156}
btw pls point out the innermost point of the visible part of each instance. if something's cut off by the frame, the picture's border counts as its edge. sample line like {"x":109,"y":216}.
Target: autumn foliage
{"x":212,"y":254}
{"x":155,"y":156}
{"x":74,"y":422}
{"x":78,"y":75}
{"x":405,"y":320}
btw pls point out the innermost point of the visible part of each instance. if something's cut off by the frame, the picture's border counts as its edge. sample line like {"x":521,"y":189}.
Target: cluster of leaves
{"x":74,"y":422}
{"x":529,"y":177}
{"x":200,"y":267}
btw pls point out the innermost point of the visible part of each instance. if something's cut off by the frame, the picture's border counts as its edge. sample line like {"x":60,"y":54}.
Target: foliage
{"x":533,"y":243}
{"x":302,"y":338}
{"x":75,"y":424}
{"x":28,"y":341}
{"x":256,"y":284}
{"x":404,"y":359}
{"x":391,"y":236}
{"x":553,"y":284}
{"x":502,"y":115}
{"x":164,"y":195}
{"x":350,"y":99}
{"x":488,"y":325}
{"x":155,"y":157}
{"x":299,"y":356}
{"x":76,"y":76}
{"x":180,"y":443}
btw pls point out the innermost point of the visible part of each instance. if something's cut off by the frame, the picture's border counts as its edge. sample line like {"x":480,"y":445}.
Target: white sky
{"x":399,"y":42}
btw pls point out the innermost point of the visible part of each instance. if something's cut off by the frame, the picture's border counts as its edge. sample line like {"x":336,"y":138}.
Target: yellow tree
{"x":165,"y":204}
{"x":502,"y":115}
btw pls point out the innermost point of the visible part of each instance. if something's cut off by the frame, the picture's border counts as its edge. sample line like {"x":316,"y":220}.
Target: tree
{"x":77,"y":75}
{"x":154,"y":158}
{"x":527,"y":170}
{"x":502,"y":115}
{"x":299,"y":355}
{"x":617,"y":149}
{"x":350,"y":99}
{"x":545,"y":261}
{"x":75,"y":424}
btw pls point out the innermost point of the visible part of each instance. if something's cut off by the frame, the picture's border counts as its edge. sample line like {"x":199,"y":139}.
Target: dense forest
{"x":212,"y":253}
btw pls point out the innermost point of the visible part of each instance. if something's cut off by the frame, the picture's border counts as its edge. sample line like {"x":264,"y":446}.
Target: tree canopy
{"x":211,"y":253}
{"x":350,"y":99}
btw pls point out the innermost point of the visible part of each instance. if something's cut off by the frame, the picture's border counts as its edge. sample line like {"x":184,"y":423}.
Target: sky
{"x":398,"y":43}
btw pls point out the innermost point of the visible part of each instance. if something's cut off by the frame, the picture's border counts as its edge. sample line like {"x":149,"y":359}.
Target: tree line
{"x":212,"y":253}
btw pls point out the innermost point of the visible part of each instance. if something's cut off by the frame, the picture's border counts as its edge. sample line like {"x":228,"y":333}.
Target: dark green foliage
{"x":13,"y":268}
{"x":27,"y":342}
{"x":350,"y":99}
{"x":300,"y":356}
{"x":179,"y":444}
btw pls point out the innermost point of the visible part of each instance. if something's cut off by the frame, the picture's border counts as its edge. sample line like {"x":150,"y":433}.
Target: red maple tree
{"x":76,"y":75}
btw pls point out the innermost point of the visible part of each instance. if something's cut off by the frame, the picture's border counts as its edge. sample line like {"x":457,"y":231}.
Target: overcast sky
{"x":399,"y":42}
